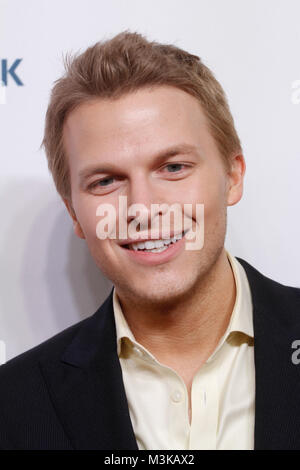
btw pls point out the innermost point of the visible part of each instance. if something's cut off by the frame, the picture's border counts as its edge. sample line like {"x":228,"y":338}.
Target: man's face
{"x":123,"y":138}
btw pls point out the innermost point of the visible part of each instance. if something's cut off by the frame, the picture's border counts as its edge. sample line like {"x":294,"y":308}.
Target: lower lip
{"x":152,"y":259}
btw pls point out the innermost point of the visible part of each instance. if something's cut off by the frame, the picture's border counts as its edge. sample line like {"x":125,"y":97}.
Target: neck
{"x":168,"y":333}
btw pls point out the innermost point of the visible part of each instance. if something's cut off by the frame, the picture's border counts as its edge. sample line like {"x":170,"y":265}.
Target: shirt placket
{"x":205,"y":408}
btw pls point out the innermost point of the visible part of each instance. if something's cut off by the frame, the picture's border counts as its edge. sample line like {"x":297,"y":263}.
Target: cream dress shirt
{"x":223,"y":389}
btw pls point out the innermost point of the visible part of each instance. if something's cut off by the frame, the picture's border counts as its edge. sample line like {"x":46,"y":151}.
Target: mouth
{"x":155,"y":246}
{"x":153,"y":252}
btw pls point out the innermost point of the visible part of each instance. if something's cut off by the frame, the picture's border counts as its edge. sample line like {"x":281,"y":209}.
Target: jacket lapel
{"x":276,"y":321}
{"x":87,"y":389}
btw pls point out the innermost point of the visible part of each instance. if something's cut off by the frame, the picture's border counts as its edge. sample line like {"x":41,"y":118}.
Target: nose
{"x":143,"y":200}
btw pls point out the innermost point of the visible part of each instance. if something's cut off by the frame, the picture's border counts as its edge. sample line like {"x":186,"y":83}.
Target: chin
{"x":161,"y":291}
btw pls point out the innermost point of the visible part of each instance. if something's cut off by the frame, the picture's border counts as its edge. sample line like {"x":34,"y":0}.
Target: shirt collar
{"x":122,"y":327}
{"x":241,"y":320}
{"x":241,"y":317}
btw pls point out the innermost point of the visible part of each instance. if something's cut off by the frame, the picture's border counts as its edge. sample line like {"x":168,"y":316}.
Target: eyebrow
{"x":158,"y":159}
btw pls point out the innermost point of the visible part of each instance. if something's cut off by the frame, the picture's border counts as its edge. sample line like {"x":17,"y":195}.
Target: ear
{"x":76,"y":225}
{"x":236,"y":180}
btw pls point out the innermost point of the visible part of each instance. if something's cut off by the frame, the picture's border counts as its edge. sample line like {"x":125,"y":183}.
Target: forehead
{"x":143,"y":122}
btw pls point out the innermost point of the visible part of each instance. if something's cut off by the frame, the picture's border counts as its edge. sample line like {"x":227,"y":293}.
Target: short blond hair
{"x":125,"y":63}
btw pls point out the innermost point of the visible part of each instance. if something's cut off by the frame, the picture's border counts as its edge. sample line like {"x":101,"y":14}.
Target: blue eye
{"x":104,"y":180}
{"x":102,"y":183}
{"x":174,"y":165}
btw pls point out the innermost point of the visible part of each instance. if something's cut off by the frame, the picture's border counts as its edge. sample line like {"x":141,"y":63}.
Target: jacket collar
{"x":88,"y":393}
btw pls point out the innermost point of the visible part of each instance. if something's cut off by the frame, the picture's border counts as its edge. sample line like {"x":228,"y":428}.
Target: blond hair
{"x":125,"y":63}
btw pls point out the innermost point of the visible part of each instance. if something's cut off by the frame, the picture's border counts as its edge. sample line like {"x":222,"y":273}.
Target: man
{"x":193,"y":348}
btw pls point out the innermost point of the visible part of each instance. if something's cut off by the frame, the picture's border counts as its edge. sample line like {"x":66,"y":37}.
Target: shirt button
{"x":176,"y":396}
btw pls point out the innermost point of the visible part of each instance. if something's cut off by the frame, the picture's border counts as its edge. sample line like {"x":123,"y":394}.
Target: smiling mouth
{"x":155,"y":246}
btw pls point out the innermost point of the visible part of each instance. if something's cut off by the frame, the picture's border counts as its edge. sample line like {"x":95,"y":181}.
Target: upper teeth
{"x":150,"y":244}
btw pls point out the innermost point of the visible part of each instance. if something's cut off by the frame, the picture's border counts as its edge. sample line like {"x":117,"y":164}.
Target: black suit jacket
{"x":68,"y":392}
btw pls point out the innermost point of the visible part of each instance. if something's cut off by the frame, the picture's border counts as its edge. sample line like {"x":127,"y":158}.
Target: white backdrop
{"x":48,"y":280}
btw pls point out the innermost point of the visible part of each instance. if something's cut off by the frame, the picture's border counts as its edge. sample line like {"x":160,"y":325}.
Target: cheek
{"x":85,"y":210}
{"x":215,"y":216}
{"x":211,"y":192}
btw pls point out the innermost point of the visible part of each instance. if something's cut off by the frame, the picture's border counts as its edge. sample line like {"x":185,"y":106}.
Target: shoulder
{"x":27,"y":416}
{"x":254,"y":274}
{"x":272,"y":297}
{"x":24,"y":394}
{"x":26,"y":363}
